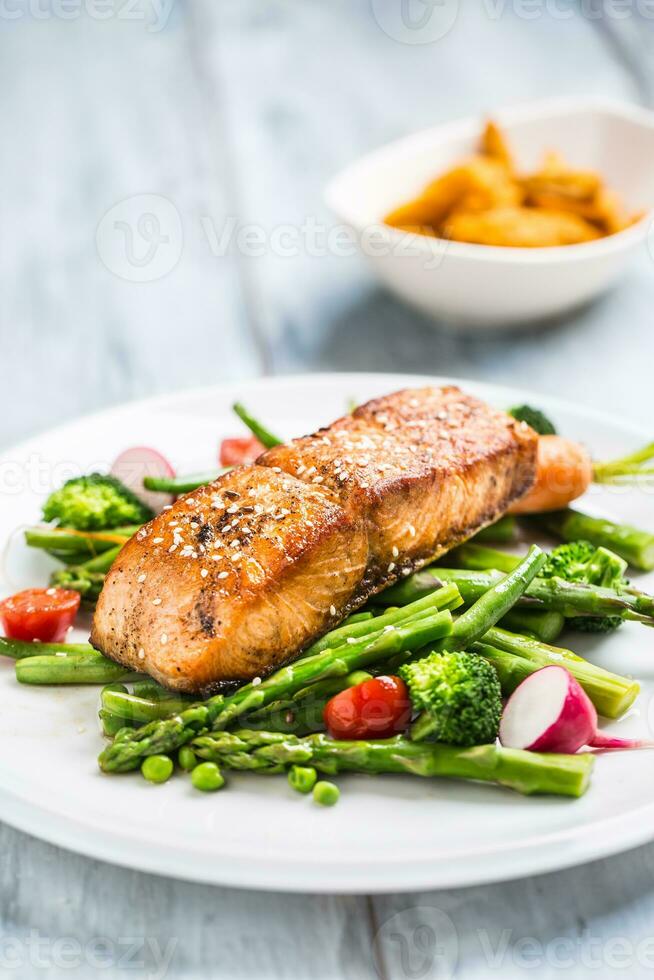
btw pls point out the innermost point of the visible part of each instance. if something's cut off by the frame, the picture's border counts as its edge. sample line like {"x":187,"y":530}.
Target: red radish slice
{"x":550,"y":712}
{"x":132,"y":465}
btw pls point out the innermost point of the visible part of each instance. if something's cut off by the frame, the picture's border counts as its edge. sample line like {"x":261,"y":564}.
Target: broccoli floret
{"x":581,"y":561}
{"x":458,"y":696}
{"x":95,"y":503}
{"x":88,"y":584}
{"x":535,"y":418}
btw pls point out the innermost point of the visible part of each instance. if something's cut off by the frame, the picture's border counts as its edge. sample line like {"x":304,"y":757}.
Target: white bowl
{"x":488,"y":286}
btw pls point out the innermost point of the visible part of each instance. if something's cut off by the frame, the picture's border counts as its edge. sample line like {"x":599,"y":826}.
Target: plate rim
{"x":494,"y":864}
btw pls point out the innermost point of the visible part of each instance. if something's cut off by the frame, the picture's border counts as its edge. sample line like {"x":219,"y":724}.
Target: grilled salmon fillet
{"x":243,"y":574}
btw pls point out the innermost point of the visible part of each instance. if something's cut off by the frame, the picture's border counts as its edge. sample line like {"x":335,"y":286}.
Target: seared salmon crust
{"x":246,"y":572}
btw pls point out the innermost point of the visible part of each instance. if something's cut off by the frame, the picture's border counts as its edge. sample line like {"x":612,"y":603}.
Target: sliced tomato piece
{"x":236,"y":452}
{"x":378,"y":708}
{"x":39,"y":614}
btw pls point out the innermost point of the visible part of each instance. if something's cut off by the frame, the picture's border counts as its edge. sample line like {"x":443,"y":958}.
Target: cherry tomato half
{"x":39,"y":614}
{"x":378,"y":708}
{"x":235,"y":452}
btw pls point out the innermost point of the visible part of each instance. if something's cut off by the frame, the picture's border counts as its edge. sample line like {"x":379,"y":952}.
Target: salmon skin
{"x":243,"y":574}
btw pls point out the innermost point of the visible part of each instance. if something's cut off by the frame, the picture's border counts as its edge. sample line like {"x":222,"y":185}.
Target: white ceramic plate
{"x":387,"y":833}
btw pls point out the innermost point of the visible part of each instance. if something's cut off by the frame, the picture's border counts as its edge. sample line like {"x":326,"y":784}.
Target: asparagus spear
{"x":632,"y":544}
{"x":503,"y":531}
{"x":525,"y":772}
{"x":610,"y":693}
{"x":543,"y":624}
{"x":265,"y":437}
{"x":449,"y":597}
{"x":495,"y":602}
{"x":131,"y":708}
{"x":74,"y":547}
{"x":18,"y":649}
{"x":181,"y":484}
{"x":218,"y":712}
{"x":568,"y":598}
{"x":83,"y":668}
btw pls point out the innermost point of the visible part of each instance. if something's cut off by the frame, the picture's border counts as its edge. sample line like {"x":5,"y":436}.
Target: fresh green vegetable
{"x":495,"y":602}
{"x":544,"y":624}
{"x":18,"y":649}
{"x":503,"y":531}
{"x":265,"y":437}
{"x":207,"y":777}
{"x":75,"y":547}
{"x":610,"y":693}
{"x":526,"y":772}
{"x":222,"y":710}
{"x":632,"y":544}
{"x":458,"y":696}
{"x":626,"y":468}
{"x":177,"y":485}
{"x":538,"y":421}
{"x":325,"y":793}
{"x":187,"y":758}
{"x":581,"y":561}
{"x":157,"y":768}
{"x":111,"y":724}
{"x":84,"y":668}
{"x":133,"y":708}
{"x":479,"y":557}
{"x":88,"y":584}
{"x":568,"y":598}
{"x":95,"y":503}
{"x":302,"y":778}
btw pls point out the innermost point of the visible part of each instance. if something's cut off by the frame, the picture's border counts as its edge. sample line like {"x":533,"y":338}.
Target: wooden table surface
{"x":234,"y":114}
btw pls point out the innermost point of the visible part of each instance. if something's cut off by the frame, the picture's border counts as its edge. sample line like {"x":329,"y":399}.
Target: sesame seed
{"x":396,"y":551}
{"x":156,"y":602}
{"x":50,"y":591}
{"x":157,"y":540}
{"x":164,"y":638}
{"x":204,"y":572}
{"x":256,"y":681}
{"x":332,"y":610}
{"x":141,"y":578}
{"x":190,"y":501}
{"x":391,"y":566}
{"x":141,"y":654}
{"x":411,"y":529}
{"x":223,"y":574}
{"x":232,"y":509}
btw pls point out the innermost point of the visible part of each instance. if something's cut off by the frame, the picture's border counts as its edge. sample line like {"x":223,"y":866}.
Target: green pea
{"x":302,"y":778}
{"x":111,"y":724}
{"x":358,"y":677}
{"x":325,"y":793}
{"x":157,"y":768}
{"x":207,"y":777}
{"x":187,"y":758}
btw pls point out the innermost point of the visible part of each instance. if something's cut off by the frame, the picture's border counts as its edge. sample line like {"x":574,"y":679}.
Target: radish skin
{"x":550,"y":712}
{"x":133,"y":464}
